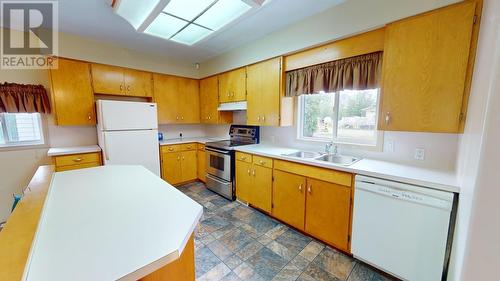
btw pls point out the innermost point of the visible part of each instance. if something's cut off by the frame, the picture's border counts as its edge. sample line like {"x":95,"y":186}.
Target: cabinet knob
{"x":178,"y":158}
{"x":262,"y":162}
{"x":228,"y":94}
{"x":243,"y":158}
{"x":263,"y":118}
{"x":253,"y":173}
{"x":77,"y":159}
{"x":309,"y":189}
{"x":89,"y":116}
{"x":182,"y":118}
{"x":258,"y":118}
{"x":177,"y":117}
{"x":170,"y":149}
{"x":248,"y":171}
{"x":387,"y":118}
{"x":300,"y":187}
{"x":209,"y":117}
{"x":121,"y":88}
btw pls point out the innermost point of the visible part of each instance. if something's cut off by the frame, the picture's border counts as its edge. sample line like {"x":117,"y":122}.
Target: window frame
{"x":22,"y":144}
{"x":377,"y":145}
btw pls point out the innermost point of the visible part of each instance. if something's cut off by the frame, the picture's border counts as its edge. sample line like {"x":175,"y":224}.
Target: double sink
{"x":330,"y":158}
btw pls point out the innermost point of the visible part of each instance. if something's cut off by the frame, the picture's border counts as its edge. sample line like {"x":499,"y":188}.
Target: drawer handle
{"x":387,"y":118}
{"x":243,"y":158}
{"x":170,"y":149}
{"x":262,"y":162}
{"x":77,"y":159}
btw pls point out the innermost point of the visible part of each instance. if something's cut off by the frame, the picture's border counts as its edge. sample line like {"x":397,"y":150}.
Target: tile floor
{"x":236,"y":242}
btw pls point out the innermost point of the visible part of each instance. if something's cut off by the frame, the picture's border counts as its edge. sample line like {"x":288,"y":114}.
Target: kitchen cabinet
{"x":328,"y":212}
{"x":264,"y":91}
{"x":179,"y":163}
{"x":202,"y":168}
{"x":425,"y":69}
{"x":77,"y":161}
{"x":289,"y":198}
{"x":232,"y":85}
{"x":209,"y":102}
{"x":254,"y":180}
{"x":72,"y":96}
{"x":114,"y":80}
{"x":177,"y":98}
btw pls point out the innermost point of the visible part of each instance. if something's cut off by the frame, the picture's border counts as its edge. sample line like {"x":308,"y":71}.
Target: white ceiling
{"x":95,"y":19}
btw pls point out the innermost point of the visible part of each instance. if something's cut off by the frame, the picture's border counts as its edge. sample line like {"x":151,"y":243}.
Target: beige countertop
{"x":441,"y":180}
{"x":192,"y":139}
{"x":58,"y":151}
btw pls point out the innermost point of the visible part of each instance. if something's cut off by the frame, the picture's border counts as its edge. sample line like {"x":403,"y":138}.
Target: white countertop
{"x":110,"y":222}
{"x":189,"y":140}
{"x":58,"y":151}
{"x":441,"y":180}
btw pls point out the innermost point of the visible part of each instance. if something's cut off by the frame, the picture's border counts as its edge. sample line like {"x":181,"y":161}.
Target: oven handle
{"x":217,"y":150}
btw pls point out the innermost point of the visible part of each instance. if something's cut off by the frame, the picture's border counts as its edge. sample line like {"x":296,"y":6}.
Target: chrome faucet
{"x":331,"y":148}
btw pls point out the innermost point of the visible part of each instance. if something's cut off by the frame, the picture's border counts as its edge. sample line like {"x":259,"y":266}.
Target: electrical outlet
{"x":419,"y":153}
{"x":180,"y":135}
{"x":389,"y":146}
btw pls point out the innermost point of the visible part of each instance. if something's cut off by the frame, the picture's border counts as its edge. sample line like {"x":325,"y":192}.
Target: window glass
{"x":318,"y":116}
{"x":357,"y":118}
{"x":20,"y":129}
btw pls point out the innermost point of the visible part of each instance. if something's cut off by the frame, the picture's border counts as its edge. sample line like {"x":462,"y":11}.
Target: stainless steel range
{"x":221,"y":160}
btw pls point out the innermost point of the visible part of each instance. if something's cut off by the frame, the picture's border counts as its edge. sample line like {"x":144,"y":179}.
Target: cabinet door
{"x":72,"y":94}
{"x":189,"y":107}
{"x":232,"y":85}
{"x":260,"y":193}
{"x":289,"y":198}
{"x":107,"y":79}
{"x":328,"y":212}
{"x":167,"y":98}
{"x":264,"y":93}
{"x":244,"y":180}
{"x":209,"y":100}
{"x":202,"y":169}
{"x":189,"y":165}
{"x":138,"y":83}
{"x":171,"y":167}
{"x":424,"y":70}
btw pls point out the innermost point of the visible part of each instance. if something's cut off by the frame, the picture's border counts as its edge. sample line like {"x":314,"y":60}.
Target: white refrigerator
{"x":128,"y":133}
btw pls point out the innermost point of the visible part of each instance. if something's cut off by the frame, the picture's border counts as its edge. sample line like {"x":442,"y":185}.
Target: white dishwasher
{"x":401,"y":229}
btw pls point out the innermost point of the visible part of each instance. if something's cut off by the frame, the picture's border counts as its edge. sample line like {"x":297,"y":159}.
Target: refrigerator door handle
{"x":105,"y":146}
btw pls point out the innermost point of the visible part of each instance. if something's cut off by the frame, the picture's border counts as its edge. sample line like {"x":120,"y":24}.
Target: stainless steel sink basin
{"x":303,"y":154}
{"x":338,"y":159}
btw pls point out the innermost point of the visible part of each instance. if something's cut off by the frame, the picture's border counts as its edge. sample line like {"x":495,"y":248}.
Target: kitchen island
{"x":109,"y":223}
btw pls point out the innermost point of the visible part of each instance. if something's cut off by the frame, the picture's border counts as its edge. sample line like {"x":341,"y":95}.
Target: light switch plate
{"x":389,"y":146}
{"x":419,"y":153}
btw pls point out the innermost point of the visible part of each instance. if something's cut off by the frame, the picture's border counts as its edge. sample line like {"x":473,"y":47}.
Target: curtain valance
{"x":355,"y":73}
{"x":19,"y":98}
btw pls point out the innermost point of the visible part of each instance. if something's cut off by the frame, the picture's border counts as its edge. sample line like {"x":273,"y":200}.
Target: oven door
{"x":218,"y":163}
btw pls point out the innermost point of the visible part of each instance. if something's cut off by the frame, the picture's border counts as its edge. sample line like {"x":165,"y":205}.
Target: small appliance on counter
{"x":221,"y":159}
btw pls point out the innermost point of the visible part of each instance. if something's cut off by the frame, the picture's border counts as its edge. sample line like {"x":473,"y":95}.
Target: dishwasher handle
{"x":405,"y":195}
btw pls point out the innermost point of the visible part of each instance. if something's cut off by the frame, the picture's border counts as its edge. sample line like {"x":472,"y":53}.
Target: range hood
{"x":232,"y":106}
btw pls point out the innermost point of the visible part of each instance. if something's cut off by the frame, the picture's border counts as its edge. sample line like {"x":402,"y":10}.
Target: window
{"x":349,"y":116}
{"x":19,"y":129}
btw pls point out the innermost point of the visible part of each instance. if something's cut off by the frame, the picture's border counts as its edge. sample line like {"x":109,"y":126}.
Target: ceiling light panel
{"x":222,"y":13}
{"x":187,"y":9}
{"x":134,"y":13}
{"x":191,"y":34}
{"x":165,"y":26}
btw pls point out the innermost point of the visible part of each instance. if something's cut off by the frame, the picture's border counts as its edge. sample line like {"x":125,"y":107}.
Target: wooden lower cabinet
{"x":189,"y":165}
{"x":77,"y":161}
{"x":243,"y":180}
{"x":289,"y":198}
{"x":254,"y":184}
{"x":182,"y":269}
{"x":202,"y":166}
{"x":328,"y":212}
{"x":179,"y":163}
{"x":171,"y":167}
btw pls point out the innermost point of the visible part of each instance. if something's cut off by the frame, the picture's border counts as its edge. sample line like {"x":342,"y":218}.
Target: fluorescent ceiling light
{"x":187,"y":9}
{"x":165,"y":26}
{"x":183,"y":21}
{"x":222,"y":13}
{"x":191,"y":34}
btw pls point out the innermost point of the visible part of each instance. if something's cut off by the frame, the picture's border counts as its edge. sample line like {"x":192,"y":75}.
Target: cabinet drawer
{"x":76,"y":159}
{"x":201,"y":146}
{"x":170,"y":148}
{"x":328,"y":175}
{"x":77,"y":166}
{"x":245,"y":157}
{"x":188,"y":146}
{"x":263,"y":161}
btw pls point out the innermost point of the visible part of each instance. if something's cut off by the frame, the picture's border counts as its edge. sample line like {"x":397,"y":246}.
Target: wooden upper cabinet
{"x":114,"y":80}
{"x":72,"y":96}
{"x":209,"y":102}
{"x":424,"y":70}
{"x":177,"y":99}
{"x":138,"y":83}
{"x":264,"y":84}
{"x":108,"y":79}
{"x":328,"y":212}
{"x":232,"y":85}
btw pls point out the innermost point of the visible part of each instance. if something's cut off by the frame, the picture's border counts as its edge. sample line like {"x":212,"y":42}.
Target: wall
{"x":348,"y":18}
{"x":17,"y":166}
{"x":476,"y":243}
